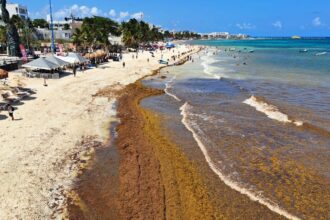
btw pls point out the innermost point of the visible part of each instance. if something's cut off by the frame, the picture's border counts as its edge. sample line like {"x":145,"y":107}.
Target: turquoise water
{"x":248,"y":103}
{"x":282,"y":58}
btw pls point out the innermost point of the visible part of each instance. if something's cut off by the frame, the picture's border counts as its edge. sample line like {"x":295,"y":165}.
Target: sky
{"x":253,"y":17}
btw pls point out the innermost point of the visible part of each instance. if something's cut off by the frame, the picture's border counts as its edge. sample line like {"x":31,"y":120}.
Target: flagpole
{"x":52,"y":27}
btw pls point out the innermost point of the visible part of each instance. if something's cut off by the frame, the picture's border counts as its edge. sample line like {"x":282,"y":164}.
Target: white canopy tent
{"x":41,"y":63}
{"x":78,"y":57}
{"x":57,"y":61}
{"x":70,"y":60}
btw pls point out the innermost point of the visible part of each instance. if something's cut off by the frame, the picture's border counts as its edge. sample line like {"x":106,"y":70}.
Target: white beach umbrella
{"x":56,"y":60}
{"x":78,"y":57}
{"x":41,"y":63}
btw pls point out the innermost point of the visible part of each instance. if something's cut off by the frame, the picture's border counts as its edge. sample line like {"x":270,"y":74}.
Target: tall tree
{"x":12,"y":34}
{"x":95,"y":31}
{"x":139,"y":32}
{"x":42,"y":23}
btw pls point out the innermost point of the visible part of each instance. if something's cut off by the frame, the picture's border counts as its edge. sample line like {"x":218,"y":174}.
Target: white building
{"x":16,"y":9}
{"x":217,"y":35}
{"x":115,"y":40}
{"x":45,"y":34}
{"x":69,"y":23}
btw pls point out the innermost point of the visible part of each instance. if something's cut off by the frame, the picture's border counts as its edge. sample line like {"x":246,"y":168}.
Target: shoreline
{"x":149,"y":175}
{"x":58,"y":130}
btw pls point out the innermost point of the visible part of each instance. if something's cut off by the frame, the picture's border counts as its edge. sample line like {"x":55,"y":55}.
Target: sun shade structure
{"x":57,"y":61}
{"x":78,"y":58}
{"x":41,"y":63}
{"x":170,"y":45}
{"x":69,"y":60}
{"x":3,"y":74}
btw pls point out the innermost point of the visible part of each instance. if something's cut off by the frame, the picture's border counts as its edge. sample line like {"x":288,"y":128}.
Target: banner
{"x":23,"y":52}
{"x":60,"y":47}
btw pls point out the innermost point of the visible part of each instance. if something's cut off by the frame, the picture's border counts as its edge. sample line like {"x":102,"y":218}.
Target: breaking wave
{"x":271,"y":111}
{"x":168,"y":87}
{"x":210,"y":70}
{"x":229,"y":182}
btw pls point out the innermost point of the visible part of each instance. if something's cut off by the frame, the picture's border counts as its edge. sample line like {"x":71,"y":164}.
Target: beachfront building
{"x":67,"y":24}
{"x":116,"y":40}
{"x":63,"y":30}
{"x":17,"y":9}
{"x":219,"y":35}
{"x":45,"y":34}
{"x":223,"y":35}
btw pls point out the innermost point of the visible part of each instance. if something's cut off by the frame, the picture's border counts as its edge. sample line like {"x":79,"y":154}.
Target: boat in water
{"x":303,"y":51}
{"x":296,"y":37}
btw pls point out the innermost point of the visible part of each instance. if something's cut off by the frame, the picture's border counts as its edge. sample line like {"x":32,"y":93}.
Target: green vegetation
{"x":94,"y":33}
{"x":139,"y":32}
{"x":42,"y":23}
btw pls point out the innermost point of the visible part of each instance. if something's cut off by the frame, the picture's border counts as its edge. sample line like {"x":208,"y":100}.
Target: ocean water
{"x":259,"y":112}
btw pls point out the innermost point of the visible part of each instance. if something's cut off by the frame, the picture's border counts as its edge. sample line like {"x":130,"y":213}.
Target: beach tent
{"x":67,"y":59}
{"x":56,"y":60}
{"x":3,"y":74}
{"x":170,"y":45}
{"x":78,"y":58}
{"x":41,"y":63}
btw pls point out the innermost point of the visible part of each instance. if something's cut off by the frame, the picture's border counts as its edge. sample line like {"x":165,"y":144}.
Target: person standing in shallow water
{"x":11,"y":112}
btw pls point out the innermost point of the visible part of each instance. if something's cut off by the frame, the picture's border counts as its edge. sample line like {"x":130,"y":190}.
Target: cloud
{"x":95,"y":11}
{"x":317,"y":22}
{"x":277,"y":24}
{"x":112,"y":13}
{"x":138,"y":15}
{"x":86,"y":11}
{"x":123,"y":14}
{"x":245,"y":26}
{"x":77,"y":11}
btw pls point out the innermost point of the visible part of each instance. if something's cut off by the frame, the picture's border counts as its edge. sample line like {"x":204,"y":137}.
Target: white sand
{"x":36,"y":165}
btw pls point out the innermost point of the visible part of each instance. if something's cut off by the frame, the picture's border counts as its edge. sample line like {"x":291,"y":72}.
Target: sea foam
{"x":232,"y":184}
{"x":208,"y":60}
{"x":168,"y":87}
{"x":271,"y":111}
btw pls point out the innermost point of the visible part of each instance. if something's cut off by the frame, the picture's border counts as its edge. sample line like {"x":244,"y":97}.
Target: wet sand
{"x":57,"y":131}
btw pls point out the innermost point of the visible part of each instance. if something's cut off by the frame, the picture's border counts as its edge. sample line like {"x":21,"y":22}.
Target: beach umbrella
{"x":92,"y":55}
{"x":57,"y":60}
{"x":3,"y":74}
{"x":41,"y":63}
{"x":170,"y":45}
{"x":78,"y":57}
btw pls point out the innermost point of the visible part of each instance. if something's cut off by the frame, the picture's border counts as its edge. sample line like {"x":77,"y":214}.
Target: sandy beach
{"x":55,"y":133}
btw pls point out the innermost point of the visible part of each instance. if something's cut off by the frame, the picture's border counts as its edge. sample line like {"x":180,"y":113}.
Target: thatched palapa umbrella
{"x":3,"y":74}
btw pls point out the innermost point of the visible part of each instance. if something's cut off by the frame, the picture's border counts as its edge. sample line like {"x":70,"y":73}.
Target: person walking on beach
{"x":11,"y":110}
{"x":74,"y":70}
{"x":124,"y":64}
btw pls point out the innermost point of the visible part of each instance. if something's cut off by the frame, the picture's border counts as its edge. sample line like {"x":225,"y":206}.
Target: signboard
{"x":60,"y":47}
{"x":23,"y":52}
